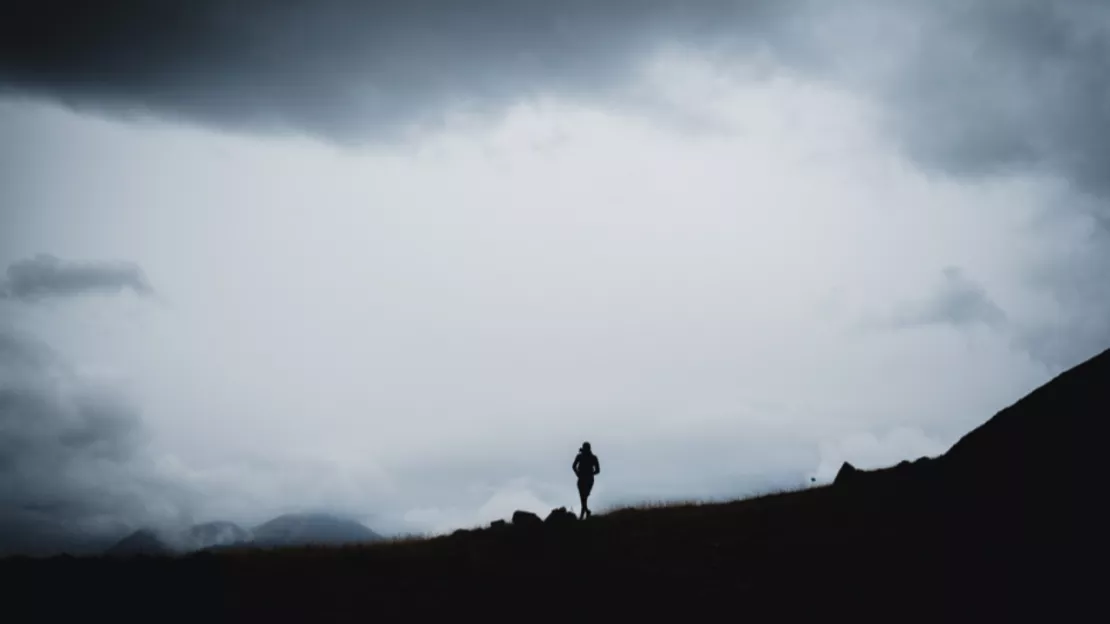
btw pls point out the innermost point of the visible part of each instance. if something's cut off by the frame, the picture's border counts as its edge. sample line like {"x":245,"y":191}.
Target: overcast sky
{"x":399,"y":259}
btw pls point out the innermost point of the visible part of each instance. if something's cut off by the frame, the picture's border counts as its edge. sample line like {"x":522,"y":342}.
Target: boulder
{"x":560,"y":517}
{"x":526,"y":519}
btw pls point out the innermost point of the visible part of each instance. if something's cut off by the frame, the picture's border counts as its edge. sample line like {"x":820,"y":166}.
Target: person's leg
{"x":584,"y":487}
{"x":581,"y":500}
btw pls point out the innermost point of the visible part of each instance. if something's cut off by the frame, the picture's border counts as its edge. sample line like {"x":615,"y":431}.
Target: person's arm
{"x":574,"y":466}
{"x":597,"y":465}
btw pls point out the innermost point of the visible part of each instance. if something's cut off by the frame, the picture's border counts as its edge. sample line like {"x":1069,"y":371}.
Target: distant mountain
{"x":141,"y":542}
{"x":312,"y":528}
{"x":287,"y":530}
{"x":196,"y":537}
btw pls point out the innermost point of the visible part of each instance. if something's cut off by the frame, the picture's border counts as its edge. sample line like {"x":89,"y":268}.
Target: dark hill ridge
{"x":1054,"y":435}
{"x":1038,"y":459}
{"x":993,"y":530}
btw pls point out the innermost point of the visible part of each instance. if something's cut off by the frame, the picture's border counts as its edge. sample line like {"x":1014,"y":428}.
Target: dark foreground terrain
{"x":1005,"y":526}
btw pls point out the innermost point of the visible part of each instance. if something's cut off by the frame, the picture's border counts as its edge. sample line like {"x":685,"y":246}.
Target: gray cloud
{"x":72,"y":463}
{"x":1076,"y":280}
{"x":957,"y":300}
{"x":1003,"y":86}
{"x":343,"y":69}
{"x":46,"y":275}
{"x":967,"y":89}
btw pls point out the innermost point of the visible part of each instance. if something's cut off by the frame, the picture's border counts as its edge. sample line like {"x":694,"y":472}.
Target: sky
{"x":398,"y":260}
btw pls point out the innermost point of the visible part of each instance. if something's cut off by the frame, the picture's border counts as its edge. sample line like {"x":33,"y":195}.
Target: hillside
{"x":996,"y":529}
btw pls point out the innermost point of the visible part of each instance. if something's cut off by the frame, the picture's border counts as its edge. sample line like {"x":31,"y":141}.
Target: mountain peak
{"x":312,"y":528}
{"x":141,"y":542}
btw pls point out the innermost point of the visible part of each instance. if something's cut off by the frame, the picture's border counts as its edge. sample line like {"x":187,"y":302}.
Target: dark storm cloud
{"x":968,"y":88}
{"x":48,"y":276}
{"x":344,"y":69}
{"x":70,"y":456}
{"x":1017,"y":88}
{"x":1004,"y":86}
{"x":978,"y":89}
{"x":957,"y":300}
{"x":1077,"y":281}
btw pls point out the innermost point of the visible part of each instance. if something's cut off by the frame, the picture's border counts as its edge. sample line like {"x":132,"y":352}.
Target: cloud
{"x":967,"y":89}
{"x":73,"y":471}
{"x":970,"y":91}
{"x":1005,"y":86}
{"x":48,"y":276}
{"x":957,"y":301}
{"x":338,"y":68}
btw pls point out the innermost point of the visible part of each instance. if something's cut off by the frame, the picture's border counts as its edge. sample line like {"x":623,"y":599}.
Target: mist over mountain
{"x":216,"y":533}
{"x":294,"y":529}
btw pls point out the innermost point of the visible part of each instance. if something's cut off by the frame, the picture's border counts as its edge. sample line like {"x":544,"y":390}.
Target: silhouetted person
{"x":585,"y":466}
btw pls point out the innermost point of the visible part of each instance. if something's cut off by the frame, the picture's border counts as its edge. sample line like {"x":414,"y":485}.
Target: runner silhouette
{"x":585,"y":466}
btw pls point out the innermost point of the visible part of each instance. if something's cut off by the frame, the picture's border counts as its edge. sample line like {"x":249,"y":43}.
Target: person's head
{"x":585,"y":447}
